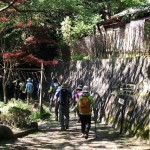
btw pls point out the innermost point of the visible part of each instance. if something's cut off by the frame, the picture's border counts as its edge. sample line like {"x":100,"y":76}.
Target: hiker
{"x":84,"y":107}
{"x":9,"y":89}
{"x":16,"y":88}
{"x":52,"y":90}
{"x":22,"y":88}
{"x":29,"y":89}
{"x":38,"y":90}
{"x":64,"y":96}
{"x":56,"y":102}
{"x":77,"y":93}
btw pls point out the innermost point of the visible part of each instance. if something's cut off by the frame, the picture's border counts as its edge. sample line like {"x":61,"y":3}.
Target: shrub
{"x":19,"y":114}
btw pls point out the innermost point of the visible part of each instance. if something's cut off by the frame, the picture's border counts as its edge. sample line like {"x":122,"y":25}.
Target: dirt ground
{"x":50,"y":137}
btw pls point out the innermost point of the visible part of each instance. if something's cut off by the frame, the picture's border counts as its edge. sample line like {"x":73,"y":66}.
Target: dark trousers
{"x":16,"y":93}
{"x":85,"y":123}
{"x":51,"y":100}
{"x":64,"y":116}
{"x":22,"y":95}
{"x":56,"y":109}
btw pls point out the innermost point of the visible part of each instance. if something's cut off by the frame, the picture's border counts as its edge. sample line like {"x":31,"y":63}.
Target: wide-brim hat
{"x":79,"y":87}
{"x":86,"y":89}
{"x":29,"y":79}
{"x":64,"y":85}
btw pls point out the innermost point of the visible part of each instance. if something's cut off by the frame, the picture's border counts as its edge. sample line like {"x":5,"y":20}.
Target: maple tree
{"x":23,"y":30}
{"x":32,"y":31}
{"x":22,"y":40}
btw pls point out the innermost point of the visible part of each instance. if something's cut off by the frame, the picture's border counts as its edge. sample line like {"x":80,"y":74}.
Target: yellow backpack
{"x":84,"y":105}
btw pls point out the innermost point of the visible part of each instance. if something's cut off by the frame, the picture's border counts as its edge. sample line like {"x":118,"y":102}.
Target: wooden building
{"x":125,"y":33}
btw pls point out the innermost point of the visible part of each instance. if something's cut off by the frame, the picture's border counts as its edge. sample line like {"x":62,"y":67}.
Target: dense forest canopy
{"x":33,"y":32}
{"x":44,"y":28}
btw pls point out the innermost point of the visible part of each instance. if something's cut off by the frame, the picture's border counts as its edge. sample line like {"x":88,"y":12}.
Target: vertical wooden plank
{"x":41,"y":88}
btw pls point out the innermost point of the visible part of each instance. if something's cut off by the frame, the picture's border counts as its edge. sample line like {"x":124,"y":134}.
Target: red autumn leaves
{"x":26,"y":58}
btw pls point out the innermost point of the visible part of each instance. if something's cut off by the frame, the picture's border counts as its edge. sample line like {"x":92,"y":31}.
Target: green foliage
{"x":133,"y":2}
{"x":77,"y":56}
{"x":19,"y":114}
{"x":76,"y":18}
{"x":79,"y":26}
{"x":148,"y":28}
{"x":66,"y":29}
{"x":15,"y":113}
{"x":19,"y":104}
{"x":35,"y":116}
{"x":2,"y":104}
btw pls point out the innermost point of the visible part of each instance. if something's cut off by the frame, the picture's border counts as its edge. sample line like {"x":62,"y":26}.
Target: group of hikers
{"x":62,"y":98}
{"x":80,"y":100}
{"x":20,"y":89}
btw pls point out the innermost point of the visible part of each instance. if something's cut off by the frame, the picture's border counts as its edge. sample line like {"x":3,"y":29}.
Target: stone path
{"x":50,"y":137}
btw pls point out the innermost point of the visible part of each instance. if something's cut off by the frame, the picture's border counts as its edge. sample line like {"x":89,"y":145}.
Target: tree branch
{"x":8,"y":5}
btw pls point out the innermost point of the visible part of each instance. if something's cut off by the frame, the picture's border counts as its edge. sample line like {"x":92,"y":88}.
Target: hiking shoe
{"x":82,"y":135}
{"x":86,"y":134}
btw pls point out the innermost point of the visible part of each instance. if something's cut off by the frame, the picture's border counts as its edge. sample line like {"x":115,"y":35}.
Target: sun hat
{"x":64,"y":85}
{"x":29,"y":79}
{"x":79,"y":87}
{"x":85,"y":89}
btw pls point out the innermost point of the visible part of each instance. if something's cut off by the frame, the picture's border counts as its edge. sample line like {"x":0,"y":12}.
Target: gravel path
{"x":50,"y":137}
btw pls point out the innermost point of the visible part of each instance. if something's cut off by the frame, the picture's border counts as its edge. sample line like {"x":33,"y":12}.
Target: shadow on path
{"x":50,"y":137}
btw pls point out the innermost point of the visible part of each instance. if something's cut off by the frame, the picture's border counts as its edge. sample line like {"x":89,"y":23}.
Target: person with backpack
{"x":56,"y":103}
{"x":52,"y":90}
{"x":16,"y":88}
{"x":38,"y":89}
{"x":9,"y":89}
{"x":84,"y":105}
{"x":22,"y":87}
{"x":29,"y":89}
{"x":64,"y":96}
{"x":77,"y":93}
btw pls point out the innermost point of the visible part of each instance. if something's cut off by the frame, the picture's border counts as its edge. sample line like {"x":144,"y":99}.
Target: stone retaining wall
{"x":104,"y":77}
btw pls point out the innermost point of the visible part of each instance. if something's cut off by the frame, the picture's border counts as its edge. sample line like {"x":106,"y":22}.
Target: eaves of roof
{"x":118,"y":18}
{"x":132,"y":11}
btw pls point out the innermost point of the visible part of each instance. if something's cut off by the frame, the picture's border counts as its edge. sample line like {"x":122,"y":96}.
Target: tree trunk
{"x":4,"y":94}
{"x":41,"y":89}
{"x":4,"y":85}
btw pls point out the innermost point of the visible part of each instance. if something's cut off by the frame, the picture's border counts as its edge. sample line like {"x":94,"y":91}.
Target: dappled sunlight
{"x":50,"y":137}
